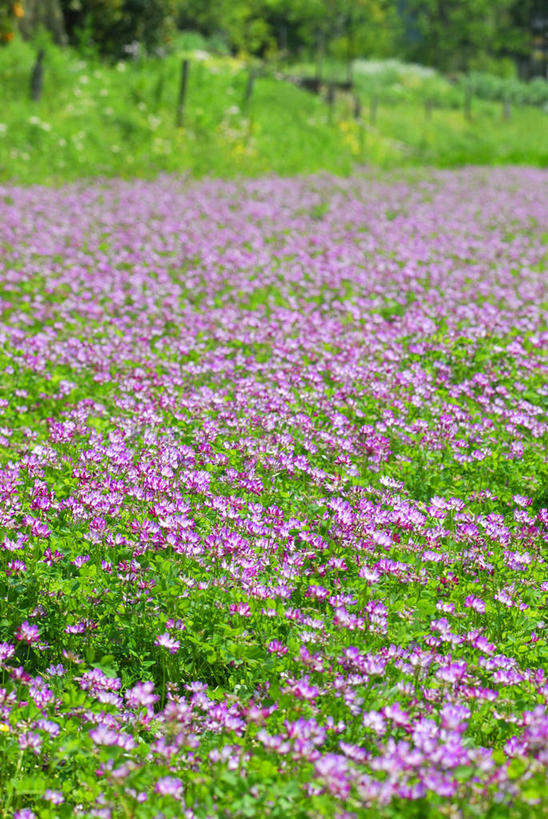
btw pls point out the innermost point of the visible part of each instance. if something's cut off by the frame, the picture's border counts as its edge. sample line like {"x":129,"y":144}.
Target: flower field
{"x":273,"y":497}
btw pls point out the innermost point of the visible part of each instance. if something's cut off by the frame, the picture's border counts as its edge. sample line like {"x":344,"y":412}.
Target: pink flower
{"x":6,"y":651}
{"x":102,"y":735}
{"x":55,"y":797}
{"x":167,"y":641}
{"x":333,"y":770}
{"x":240,"y":608}
{"x":302,"y":689}
{"x":31,"y":741}
{"x":169,"y":786}
{"x":27,"y":633}
{"x":475,"y":603}
{"x":16,"y":567}
{"x":275,"y":647}
{"x":141,"y":695}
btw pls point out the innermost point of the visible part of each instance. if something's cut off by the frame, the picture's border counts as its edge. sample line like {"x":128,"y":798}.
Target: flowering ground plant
{"x":273,"y":497}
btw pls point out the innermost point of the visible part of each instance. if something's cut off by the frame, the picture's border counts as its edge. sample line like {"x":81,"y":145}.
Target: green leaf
{"x":516,"y":768}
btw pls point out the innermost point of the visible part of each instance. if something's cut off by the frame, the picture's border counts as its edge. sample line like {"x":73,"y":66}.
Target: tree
{"x":114,"y":26}
{"x":458,"y":34}
{"x":349,"y":27}
{"x":10,"y":12}
{"x":45,"y":14}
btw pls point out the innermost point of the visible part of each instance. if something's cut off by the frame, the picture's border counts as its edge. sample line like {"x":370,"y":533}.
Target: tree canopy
{"x":453,"y":36}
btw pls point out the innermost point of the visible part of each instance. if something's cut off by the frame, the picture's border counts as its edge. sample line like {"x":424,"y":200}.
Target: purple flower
{"x":275,"y":647}
{"x":103,"y":735}
{"x":6,"y":651}
{"x":240,"y":608}
{"x":167,"y":641}
{"x":475,"y":603}
{"x":141,"y":695}
{"x":333,"y":770}
{"x":169,"y":786}
{"x":55,"y":797}
{"x":31,"y":741}
{"x":27,"y":633}
{"x":16,"y":567}
{"x":56,"y":670}
{"x":302,"y":689}
{"x":51,"y":728}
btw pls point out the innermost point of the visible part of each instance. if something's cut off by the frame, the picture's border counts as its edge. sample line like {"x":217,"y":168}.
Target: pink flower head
{"x":167,"y":641}
{"x":141,"y":695}
{"x":102,"y":735}
{"x":6,"y":651}
{"x":55,"y":797}
{"x":31,"y":741}
{"x":169,"y":786}
{"x":27,"y":633}
{"x":275,"y":647}
{"x":333,"y":770}
{"x":241,"y":609}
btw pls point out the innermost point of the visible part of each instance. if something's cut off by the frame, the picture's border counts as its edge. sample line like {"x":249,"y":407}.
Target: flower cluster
{"x":272,"y":515}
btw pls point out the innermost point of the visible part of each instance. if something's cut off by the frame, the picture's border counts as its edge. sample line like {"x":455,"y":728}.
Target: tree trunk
{"x":46,"y":14}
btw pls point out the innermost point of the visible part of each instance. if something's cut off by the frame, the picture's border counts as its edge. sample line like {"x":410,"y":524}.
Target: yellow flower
{"x":18,"y":10}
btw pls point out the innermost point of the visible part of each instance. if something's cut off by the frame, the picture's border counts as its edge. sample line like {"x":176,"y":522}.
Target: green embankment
{"x":99,"y":119}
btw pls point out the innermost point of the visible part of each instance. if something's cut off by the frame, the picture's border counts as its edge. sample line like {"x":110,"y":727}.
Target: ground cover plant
{"x":273,"y":497}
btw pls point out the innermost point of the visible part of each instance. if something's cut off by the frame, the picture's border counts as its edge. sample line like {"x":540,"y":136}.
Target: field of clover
{"x":273,"y":497}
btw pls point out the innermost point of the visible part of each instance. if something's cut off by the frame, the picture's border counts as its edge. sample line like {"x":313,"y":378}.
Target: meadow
{"x":98,"y":119}
{"x":273,"y":496}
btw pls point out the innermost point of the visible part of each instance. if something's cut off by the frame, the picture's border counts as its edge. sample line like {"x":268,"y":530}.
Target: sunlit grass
{"x":119,"y":120}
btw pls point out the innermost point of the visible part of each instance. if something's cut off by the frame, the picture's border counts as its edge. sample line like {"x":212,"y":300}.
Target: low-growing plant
{"x":273,"y":497}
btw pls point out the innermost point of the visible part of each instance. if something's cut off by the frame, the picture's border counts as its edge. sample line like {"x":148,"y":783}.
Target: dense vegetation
{"x":100,"y":119}
{"x":273,"y":474}
{"x":273,"y":497}
{"x":461,"y":35}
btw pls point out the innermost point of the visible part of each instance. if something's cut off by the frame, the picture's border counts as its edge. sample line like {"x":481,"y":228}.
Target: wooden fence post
{"x":330,"y":99}
{"x":182,"y":93}
{"x":319,"y":56}
{"x":37,"y":77}
{"x":468,"y":104}
{"x":373,"y":109}
{"x":350,"y":73}
{"x":249,"y":88}
{"x":361,"y":126}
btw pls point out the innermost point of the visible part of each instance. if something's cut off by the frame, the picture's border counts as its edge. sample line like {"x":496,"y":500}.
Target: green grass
{"x":97,"y":119}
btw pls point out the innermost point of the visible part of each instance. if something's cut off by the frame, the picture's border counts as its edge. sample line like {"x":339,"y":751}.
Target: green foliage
{"x":124,"y":589}
{"x":119,"y":27}
{"x":486,"y":36}
{"x":346,"y":28}
{"x":491,"y":87}
{"x":96,"y":119}
{"x":491,"y":36}
{"x":9,"y":12}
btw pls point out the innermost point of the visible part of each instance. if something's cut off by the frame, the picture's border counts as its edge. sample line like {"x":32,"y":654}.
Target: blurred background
{"x":249,"y":86}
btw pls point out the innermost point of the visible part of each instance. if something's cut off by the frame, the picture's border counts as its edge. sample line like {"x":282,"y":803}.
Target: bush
{"x":490,"y":87}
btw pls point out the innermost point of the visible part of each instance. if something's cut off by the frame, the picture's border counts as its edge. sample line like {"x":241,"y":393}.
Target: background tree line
{"x":453,"y":35}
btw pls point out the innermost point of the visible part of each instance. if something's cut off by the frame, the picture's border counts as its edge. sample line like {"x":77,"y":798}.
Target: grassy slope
{"x":95,"y":119}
